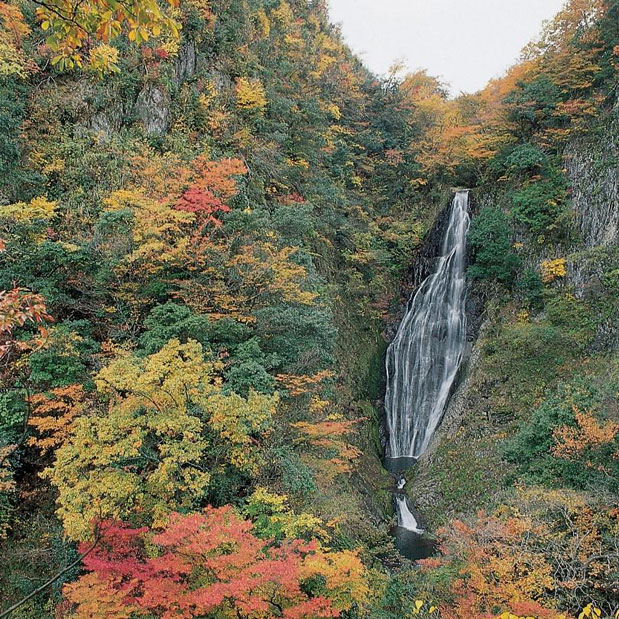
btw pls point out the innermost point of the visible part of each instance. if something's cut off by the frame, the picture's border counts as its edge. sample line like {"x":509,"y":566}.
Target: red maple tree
{"x":201,"y":563}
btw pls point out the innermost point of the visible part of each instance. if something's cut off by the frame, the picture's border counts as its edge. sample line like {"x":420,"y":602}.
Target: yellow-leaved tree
{"x":142,"y":455}
{"x":151,"y":449}
{"x":13,"y":28}
{"x":158,"y":234}
{"x":250,"y":94}
{"x":240,"y":426}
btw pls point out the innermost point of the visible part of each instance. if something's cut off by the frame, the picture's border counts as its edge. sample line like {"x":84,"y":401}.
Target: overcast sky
{"x":465,"y":42}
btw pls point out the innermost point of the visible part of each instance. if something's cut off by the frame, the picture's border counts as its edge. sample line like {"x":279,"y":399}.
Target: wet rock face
{"x":106,"y":123}
{"x":586,"y":269}
{"x":593,"y":167}
{"x":152,"y":105}
{"x":422,"y":264}
{"x":588,"y":274}
{"x":153,"y":108}
{"x":101,"y":123}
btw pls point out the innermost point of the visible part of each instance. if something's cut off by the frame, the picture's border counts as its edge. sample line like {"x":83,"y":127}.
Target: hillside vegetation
{"x":207,"y":210}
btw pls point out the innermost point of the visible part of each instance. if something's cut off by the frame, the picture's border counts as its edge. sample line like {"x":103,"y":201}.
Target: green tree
{"x":492,"y":255}
{"x":248,"y":369}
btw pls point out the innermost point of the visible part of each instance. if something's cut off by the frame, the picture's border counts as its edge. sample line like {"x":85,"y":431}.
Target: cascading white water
{"x":406,"y":520}
{"x":423,"y":359}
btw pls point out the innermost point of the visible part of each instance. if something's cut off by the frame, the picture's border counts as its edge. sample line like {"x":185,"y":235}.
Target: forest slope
{"x":203,"y":233}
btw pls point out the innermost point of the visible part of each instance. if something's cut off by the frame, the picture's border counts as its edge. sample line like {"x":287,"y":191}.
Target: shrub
{"x":539,"y":447}
{"x":249,"y":369}
{"x":531,"y":287}
{"x":532,"y":105}
{"x":63,"y":359}
{"x":297,"y":477}
{"x":169,"y":321}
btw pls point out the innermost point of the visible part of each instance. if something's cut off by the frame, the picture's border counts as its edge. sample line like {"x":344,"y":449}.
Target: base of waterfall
{"x":413,"y":546}
{"x":399,"y":464}
{"x":421,"y":364}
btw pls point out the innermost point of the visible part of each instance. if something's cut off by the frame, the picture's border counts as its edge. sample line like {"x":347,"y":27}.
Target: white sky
{"x":464,"y":42}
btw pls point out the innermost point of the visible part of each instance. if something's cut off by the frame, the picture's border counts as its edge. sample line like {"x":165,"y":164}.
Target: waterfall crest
{"x":424,"y":357}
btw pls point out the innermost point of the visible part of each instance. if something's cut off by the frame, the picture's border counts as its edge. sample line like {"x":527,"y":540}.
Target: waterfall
{"x":424,"y":357}
{"x":406,"y":520}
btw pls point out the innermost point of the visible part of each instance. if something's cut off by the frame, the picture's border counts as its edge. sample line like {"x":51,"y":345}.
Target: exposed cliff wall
{"x":592,"y":165}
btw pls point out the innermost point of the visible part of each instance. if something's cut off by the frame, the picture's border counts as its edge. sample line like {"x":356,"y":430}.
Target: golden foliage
{"x":71,"y":28}
{"x":343,"y":574}
{"x":242,"y":424}
{"x":103,"y":59}
{"x":326,"y":434}
{"x":553,"y":269}
{"x":544,"y":546}
{"x":263,"y":23}
{"x":142,"y":456}
{"x":272,"y":515}
{"x":205,"y":11}
{"x":13,"y":28}
{"x":571,"y":442}
{"x":250,"y":94}
{"x":7,"y":483}
{"x":266,"y":270}
{"x":283,"y":13}
{"x":158,"y":234}
{"x":37,"y":209}
{"x":97,"y":600}
{"x":297,"y":385}
{"x":451,"y":132}
{"x":236,"y":280}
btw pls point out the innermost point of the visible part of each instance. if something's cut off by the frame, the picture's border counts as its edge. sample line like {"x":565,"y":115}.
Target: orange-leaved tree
{"x":52,"y":415}
{"x":326,"y":436}
{"x":591,"y":441}
{"x":545,"y":554}
{"x":18,"y":307}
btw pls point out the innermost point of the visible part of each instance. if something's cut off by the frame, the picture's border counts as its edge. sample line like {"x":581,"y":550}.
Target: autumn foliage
{"x":536,"y":557}
{"x":211,"y":562}
{"x":53,"y":414}
{"x":71,"y":28}
{"x":17,"y":308}
{"x":328,"y":435}
{"x":213,"y":185}
{"x":218,"y":283}
{"x":589,"y":440}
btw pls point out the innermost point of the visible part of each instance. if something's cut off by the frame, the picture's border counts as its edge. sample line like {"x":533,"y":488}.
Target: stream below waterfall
{"x":421,"y":366}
